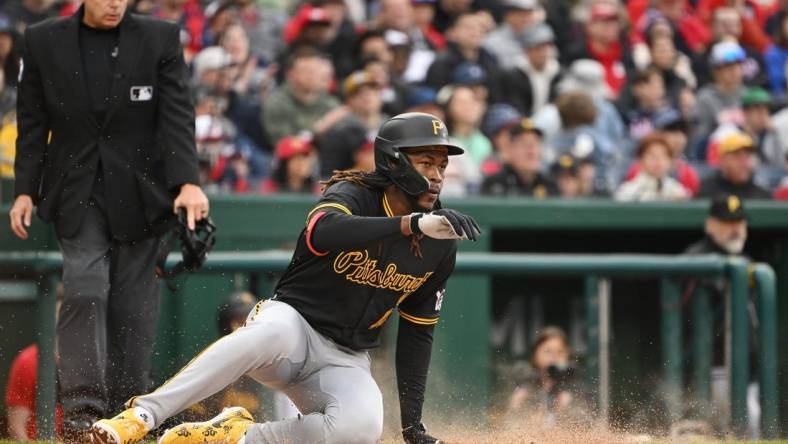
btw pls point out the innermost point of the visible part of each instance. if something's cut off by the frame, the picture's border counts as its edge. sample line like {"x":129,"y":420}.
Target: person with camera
{"x":547,"y":390}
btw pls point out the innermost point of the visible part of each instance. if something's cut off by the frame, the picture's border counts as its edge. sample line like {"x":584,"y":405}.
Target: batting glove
{"x":444,"y":224}
{"x":417,"y":434}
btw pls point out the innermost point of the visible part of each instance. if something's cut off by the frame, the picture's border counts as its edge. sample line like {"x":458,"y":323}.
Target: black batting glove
{"x":417,"y":434}
{"x":445,"y":224}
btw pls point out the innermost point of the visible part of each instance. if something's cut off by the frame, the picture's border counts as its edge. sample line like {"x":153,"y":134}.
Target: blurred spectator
{"x":393,"y":92}
{"x":603,"y":42}
{"x":231,"y":315}
{"x":547,"y":389}
{"x":265,"y":26}
{"x":9,"y":53}
{"x":21,"y":391}
{"x":7,"y":97}
{"x":500,"y":118}
{"x":648,"y":90}
{"x":780,"y":192}
{"x":653,"y":182}
{"x":521,"y":174}
{"x":675,"y":130}
{"x":472,"y":76}
{"x":776,"y":57}
{"x":464,"y":113}
{"x":448,"y":11}
{"x":424,"y":100}
{"x":248,"y":83}
{"x":719,"y":102}
{"x":341,"y":35}
{"x":24,"y":13}
{"x":505,"y":41}
{"x":692,"y":36}
{"x":400,"y":15}
{"x":532,"y":81}
{"x":587,"y":177}
{"x":362,"y":117}
{"x":364,"y":157}
{"x":465,"y":37}
{"x":749,"y":20}
{"x":727,"y":28}
{"x":143,"y":7}
{"x":310,"y":27}
{"x":188,"y":15}
{"x":423,"y":15}
{"x":735,"y":173}
{"x":294,"y":168}
{"x":756,"y":103}
{"x":302,"y":103}
{"x":564,"y":174}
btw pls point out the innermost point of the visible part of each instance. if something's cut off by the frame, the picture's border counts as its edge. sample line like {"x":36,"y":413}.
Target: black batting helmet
{"x":409,"y":130}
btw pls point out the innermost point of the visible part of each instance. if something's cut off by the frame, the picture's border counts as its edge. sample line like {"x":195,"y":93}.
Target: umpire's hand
{"x":21,"y":215}
{"x":193,"y":200}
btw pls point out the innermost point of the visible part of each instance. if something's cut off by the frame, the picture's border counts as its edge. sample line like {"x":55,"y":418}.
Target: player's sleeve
{"x":339,"y":221}
{"x":424,"y":306}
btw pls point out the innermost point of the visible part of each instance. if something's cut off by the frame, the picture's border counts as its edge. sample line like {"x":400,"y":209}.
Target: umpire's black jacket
{"x":145,"y":143}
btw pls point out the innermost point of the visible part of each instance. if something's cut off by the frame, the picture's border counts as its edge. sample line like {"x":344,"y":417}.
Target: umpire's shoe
{"x":227,"y":427}
{"x":126,"y":428}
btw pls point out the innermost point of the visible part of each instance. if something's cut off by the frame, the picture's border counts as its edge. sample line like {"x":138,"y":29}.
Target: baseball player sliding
{"x":375,"y":243}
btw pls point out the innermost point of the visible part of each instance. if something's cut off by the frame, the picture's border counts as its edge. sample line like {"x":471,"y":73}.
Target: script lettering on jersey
{"x":359,"y":268}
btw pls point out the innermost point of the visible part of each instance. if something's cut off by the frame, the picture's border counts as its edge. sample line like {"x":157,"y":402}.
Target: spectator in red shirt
{"x":752,"y":18}
{"x":20,"y":397}
{"x":693,"y":35}
{"x":604,"y":44}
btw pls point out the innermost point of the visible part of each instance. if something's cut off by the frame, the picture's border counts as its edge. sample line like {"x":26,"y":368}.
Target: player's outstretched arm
{"x":414,"y":347}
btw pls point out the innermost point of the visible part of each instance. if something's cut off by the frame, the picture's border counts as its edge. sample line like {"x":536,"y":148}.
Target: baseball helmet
{"x":409,"y":130}
{"x":235,"y":307}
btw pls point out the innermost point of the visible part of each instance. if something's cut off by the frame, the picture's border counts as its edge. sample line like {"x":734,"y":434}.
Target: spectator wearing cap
{"x":564,"y":174}
{"x":309,"y":27}
{"x":9,"y":51}
{"x":400,"y":15}
{"x":188,"y":15}
{"x":465,"y":37}
{"x":603,"y":42}
{"x":776,"y":58}
{"x":302,"y":102}
{"x":472,"y":76}
{"x":423,"y":16}
{"x":719,"y":102}
{"x":505,"y":41}
{"x":756,"y":104}
{"x":727,"y":27}
{"x":653,"y":182}
{"x":521,"y":175}
{"x":360,"y":122}
{"x":294,"y":167}
{"x":675,"y":130}
{"x":207,"y":67}
{"x":498,"y":120}
{"x":422,"y":99}
{"x":735,"y":173}
{"x":23,"y":13}
{"x":725,"y":228}
{"x":533,"y":80}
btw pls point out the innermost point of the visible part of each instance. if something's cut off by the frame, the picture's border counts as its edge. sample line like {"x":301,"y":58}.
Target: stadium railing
{"x":597,"y":269}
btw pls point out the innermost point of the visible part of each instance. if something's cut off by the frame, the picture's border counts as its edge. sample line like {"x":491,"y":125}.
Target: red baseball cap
{"x":290,"y":146}
{"x":603,"y":11}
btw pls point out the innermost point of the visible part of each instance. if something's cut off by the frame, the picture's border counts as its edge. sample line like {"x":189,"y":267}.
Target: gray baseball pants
{"x":331,"y":385}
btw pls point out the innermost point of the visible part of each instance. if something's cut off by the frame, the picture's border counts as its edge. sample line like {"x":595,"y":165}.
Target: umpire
{"x":106,"y":152}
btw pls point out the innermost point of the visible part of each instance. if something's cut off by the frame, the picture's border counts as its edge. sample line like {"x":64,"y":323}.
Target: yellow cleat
{"x":126,"y":428}
{"x":227,"y":427}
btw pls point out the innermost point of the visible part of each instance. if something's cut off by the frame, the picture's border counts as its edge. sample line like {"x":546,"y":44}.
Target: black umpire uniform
{"x":106,"y":139}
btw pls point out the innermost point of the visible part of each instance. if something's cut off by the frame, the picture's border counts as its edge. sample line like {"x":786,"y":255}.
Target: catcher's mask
{"x":195,"y":246}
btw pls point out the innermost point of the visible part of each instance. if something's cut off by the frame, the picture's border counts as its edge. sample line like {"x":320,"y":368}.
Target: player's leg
{"x":132,"y":314}
{"x":273,"y":340}
{"x":341,"y":405}
{"x":81,"y":326}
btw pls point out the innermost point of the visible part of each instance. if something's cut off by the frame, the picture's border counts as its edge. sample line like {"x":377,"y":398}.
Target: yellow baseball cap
{"x":734,"y":142}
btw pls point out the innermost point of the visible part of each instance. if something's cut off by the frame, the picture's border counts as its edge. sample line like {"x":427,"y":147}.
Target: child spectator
{"x":531,"y":82}
{"x":653,"y":183}
{"x":294,"y":169}
{"x":521,"y":175}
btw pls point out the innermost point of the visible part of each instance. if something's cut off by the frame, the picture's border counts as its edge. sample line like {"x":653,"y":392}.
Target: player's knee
{"x":359,"y":427}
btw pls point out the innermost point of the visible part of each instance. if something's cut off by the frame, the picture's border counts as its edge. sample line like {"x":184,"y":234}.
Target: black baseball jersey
{"x":348,"y":294}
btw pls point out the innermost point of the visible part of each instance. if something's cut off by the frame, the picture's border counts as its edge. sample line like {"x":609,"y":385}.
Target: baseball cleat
{"x":125,"y":428}
{"x":227,"y":427}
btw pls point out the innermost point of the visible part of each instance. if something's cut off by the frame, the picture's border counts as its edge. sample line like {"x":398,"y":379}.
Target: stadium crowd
{"x":638,"y":100}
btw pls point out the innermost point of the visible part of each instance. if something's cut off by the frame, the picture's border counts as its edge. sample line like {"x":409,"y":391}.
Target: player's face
{"x":104,"y":14}
{"x":431,"y":163}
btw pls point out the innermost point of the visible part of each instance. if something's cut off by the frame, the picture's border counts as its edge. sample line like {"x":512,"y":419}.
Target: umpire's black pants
{"x":107,"y":322}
